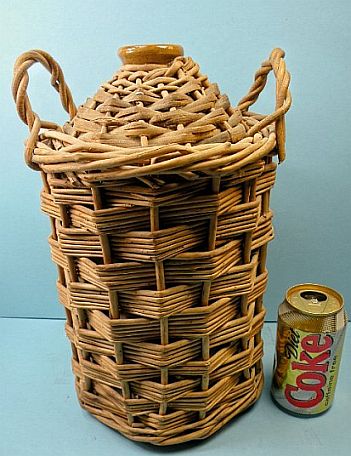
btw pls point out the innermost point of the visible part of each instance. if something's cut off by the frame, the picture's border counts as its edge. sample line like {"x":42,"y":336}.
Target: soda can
{"x":310,"y":335}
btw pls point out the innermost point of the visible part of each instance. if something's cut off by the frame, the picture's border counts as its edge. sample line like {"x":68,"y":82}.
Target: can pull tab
{"x":315,"y":299}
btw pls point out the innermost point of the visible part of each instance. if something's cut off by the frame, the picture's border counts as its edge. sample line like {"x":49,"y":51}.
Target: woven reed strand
{"x":158,"y":192}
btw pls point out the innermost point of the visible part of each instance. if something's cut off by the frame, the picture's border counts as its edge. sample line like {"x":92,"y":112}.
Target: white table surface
{"x":40,"y":415}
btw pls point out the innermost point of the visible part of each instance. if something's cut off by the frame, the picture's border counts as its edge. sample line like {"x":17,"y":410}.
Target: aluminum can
{"x":310,"y":335}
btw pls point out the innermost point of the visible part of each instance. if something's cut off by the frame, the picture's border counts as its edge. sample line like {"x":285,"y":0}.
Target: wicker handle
{"x":283,"y":97}
{"x":24,"y":108}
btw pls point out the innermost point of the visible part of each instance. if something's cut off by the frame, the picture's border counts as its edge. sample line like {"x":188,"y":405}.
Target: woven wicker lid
{"x":157,"y":114}
{"x":157,"y":97}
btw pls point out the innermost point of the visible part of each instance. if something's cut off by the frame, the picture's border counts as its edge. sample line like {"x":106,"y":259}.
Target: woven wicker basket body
{"x":158,"y":194}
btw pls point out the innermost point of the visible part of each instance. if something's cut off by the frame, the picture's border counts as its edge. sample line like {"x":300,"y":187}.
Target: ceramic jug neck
{"x":149,"y":53}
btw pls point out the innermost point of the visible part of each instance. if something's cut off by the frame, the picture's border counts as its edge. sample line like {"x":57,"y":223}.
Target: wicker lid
{"x":157,"y":114}
{"x":157,"y":97}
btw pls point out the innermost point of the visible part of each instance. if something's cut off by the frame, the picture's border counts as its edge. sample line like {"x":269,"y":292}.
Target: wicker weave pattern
{"x":158,"y":196}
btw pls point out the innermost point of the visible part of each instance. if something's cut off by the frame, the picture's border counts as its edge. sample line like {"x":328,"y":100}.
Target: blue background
{"x":229,"y":39}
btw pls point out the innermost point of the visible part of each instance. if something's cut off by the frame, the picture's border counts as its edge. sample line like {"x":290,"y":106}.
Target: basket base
{"x":177,"y":432}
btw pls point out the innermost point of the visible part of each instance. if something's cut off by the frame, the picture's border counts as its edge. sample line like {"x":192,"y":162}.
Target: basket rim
{"x":95,"y":161}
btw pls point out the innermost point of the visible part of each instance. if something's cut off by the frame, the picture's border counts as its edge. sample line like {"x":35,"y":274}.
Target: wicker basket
{"x":158,"y":191}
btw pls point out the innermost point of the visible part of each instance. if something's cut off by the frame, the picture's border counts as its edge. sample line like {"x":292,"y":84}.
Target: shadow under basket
{"x":158,"y":192}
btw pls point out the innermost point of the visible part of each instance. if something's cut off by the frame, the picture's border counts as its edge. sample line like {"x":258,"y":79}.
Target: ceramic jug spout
{"x":149,"y":53}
